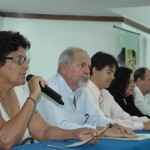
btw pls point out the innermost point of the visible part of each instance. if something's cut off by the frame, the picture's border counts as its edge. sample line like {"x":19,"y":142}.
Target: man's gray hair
{"x":67,"y":56}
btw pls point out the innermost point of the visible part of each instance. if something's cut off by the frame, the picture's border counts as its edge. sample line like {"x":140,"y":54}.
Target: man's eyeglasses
{"x":19,"y":59}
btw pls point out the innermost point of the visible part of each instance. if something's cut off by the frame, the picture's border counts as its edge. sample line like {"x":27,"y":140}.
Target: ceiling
{"x":135,"y":10}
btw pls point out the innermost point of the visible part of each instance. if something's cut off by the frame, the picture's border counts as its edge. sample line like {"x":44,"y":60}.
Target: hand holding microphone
{"x":48,"y":91}
{"x":35,"y":87}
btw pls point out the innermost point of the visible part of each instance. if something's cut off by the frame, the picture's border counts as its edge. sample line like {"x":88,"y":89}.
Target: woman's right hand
{"x":34,"y":86}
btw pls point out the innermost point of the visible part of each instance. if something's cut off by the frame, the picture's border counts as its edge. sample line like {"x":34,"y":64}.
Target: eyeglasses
{"x":130,"y":82}
{"x":19,"y":59}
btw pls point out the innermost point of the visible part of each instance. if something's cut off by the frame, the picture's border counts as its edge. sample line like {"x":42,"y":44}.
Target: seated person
{"x":122,"y":89}
{"x":78,"y":111}
{"x":103,"y":67}
{"x":18,"y":120}
{"x":142,"y":90}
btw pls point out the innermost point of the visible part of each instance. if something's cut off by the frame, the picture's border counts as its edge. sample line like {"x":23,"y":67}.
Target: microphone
{"x":48,"y":91}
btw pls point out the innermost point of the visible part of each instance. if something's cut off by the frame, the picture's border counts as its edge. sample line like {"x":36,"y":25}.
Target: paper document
{"x":140,"y":137}
{"x":100,"y":134}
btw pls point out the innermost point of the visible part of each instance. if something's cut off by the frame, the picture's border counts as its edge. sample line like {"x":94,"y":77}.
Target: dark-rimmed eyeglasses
{"x":19,"y":59}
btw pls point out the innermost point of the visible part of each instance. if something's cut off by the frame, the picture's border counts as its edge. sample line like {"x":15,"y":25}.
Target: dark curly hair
{"x":9,"y":42}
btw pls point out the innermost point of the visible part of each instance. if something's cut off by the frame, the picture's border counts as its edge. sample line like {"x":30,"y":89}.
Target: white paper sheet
{"x":140,"y":137}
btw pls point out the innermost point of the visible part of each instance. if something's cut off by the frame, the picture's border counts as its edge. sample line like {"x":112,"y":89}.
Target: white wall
{"x":1,"y":23}
{"x":147,"y":54}
{"x":49,"y":37}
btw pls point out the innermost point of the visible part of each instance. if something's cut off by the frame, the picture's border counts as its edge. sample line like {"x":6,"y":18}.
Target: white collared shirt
{"x":141,"y":102}
{"x":67,"y":116}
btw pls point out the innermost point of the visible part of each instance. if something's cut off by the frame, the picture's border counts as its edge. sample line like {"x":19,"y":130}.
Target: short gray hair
{"x":67,"y":56}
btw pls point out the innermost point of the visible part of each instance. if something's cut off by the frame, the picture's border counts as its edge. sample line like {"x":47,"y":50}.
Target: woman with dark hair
{"x":19,"y":122}
{"x":122,"y":89}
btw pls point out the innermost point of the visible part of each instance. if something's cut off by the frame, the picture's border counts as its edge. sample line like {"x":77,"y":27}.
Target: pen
{"x":87,"y":117}
{"x":58,"y":147}
{"x":100,"y":133}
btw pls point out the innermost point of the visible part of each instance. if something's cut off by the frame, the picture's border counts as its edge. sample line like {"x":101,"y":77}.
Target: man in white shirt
{"x":103,"y":67}
{"x":142,"y":81}
{"x":78,"y":111}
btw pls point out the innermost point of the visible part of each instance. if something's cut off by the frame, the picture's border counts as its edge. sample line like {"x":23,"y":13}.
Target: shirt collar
{"x":68,"y":90}
{"x":94,"y":88}
{"x":139,"y":91}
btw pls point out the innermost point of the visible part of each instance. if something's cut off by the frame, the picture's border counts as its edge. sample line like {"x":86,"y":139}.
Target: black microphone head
{"x":48,"y":91}
{"x":29,"y":77}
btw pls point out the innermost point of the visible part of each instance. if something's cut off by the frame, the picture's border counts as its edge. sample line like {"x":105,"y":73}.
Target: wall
{"x":1,"y":23}
{"x":49,"y":37}
{"x":147,"y":54}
